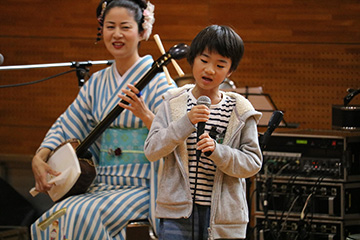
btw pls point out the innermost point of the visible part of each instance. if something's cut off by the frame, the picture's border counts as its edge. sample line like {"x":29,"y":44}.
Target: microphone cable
{"x":202,"y":100}
{"x":194,"y":194}
{"x":37,"y":81}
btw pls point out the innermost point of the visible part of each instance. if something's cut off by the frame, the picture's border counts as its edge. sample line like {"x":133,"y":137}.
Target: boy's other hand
{"x":199,"y":113}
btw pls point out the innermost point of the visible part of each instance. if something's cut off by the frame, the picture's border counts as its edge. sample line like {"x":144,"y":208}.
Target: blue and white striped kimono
{"x":120,"y":192}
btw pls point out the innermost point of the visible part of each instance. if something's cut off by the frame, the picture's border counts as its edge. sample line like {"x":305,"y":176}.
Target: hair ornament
{"x":148,"y":20}
{"x":101,"y":20}
{"x":101,"y":16}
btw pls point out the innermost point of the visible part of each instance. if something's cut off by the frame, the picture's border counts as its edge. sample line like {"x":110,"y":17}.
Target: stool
{"x":140,"y":229}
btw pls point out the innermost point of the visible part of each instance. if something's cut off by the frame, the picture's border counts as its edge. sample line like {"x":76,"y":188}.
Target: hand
{"x":206,"y":143}
{"x":41,"y":169}
{"x":136,"y":104}
{"x":199,"y":113}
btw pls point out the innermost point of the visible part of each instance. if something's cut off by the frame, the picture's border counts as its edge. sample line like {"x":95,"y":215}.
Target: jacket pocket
{"x":172,"y":186}
{"x":232,"y":206}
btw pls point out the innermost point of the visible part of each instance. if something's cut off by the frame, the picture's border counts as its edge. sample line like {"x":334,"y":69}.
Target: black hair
{"x":135,"y":6}
{"x":221,"y":39}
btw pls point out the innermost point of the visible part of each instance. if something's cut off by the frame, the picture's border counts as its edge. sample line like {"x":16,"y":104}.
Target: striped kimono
{"x":120,"y":192}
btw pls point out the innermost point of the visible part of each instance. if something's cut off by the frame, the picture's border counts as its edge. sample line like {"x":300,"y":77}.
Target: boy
{"x":204,"y":197}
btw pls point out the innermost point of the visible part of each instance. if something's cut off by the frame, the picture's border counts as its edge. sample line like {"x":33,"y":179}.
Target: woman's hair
{"x":221,"y":39}
{"x":137,"y":7}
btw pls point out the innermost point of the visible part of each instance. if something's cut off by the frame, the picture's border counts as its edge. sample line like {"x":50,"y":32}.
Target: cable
{"x":290,"y":183}
{"x":303,"y":233}
{"x":265,"y":202}
{"x":282,"y":169}
{"x":38,"y":81}
{"x":317,"y":183}
{"x":288,"y":213}
{"x":306,"y":203}
{"x":287,"y":196}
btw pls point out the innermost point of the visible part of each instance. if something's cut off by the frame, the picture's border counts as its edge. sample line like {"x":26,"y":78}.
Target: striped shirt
{"x":204,"y":169}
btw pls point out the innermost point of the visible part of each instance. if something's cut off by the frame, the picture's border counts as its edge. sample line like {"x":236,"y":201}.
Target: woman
{"x":121,"y":191}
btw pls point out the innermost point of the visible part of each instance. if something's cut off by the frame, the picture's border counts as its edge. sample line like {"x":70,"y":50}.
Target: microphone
{"x":1,"y":59}
{"x":274,"y":122}
{"x":351,"y":95}
{"x":202,"y":100}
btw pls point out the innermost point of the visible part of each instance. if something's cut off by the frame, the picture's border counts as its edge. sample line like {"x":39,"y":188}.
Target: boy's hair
{"x":221,"y":39}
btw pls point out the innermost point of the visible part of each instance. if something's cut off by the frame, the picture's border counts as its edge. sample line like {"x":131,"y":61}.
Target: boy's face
{"x":210,"y":69}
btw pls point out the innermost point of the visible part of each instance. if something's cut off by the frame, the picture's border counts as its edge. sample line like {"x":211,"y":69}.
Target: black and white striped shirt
{"x":219,"y":119}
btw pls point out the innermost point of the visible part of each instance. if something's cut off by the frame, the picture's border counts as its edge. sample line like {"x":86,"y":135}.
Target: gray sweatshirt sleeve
{"x":243,"y":158}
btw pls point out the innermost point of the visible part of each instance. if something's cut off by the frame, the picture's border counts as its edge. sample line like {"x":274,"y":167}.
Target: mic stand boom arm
{"x":49,"y":65}
{"x":81,"y":69}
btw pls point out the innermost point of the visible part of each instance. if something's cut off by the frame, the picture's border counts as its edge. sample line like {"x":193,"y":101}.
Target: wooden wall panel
{"x":304,"y":81}
{"x":305,"y":54}
{"x":290,"y":20}
{"x":50,"y":19}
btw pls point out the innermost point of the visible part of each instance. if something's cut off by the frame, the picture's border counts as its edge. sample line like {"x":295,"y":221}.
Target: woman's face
{"x":120,"y":33}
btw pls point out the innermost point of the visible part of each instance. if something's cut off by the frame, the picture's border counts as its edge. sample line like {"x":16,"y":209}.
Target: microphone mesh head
{"x":204,"y":100}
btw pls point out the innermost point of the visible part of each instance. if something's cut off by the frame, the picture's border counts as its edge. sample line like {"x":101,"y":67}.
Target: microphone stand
{"x":81,"y":69}
{"x":274,"y":122}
